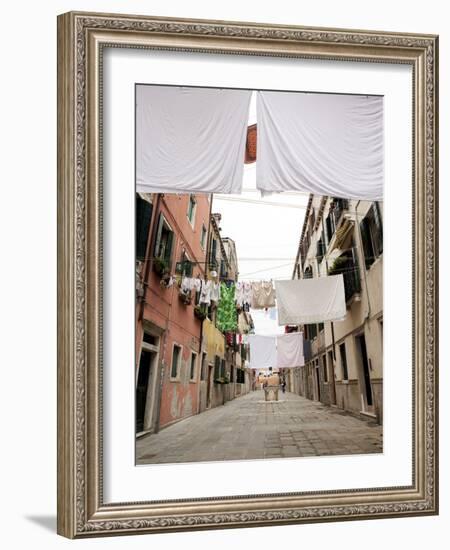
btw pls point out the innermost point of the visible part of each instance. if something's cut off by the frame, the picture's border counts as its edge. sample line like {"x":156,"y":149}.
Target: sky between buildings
{"x":266,"y":232}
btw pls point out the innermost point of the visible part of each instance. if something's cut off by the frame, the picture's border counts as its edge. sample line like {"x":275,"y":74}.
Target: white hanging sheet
{"x":290,"y":350}
{"x":190,"y":139}
{"x":325,"y":144}
{"x":263,"y":351}
{"x":304,"y":301}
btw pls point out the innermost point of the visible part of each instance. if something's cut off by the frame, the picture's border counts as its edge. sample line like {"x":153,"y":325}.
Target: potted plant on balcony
{"x":160,"y":266}
{"x":185,"y":296}
{"x":200,"y":312}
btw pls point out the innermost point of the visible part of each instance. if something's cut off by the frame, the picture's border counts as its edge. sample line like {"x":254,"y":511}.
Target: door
{"x":143,"y":383}
{"x":366,"y":389}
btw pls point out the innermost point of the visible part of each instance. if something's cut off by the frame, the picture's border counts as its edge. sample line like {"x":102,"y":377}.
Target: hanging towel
{"x":325,"y":144}
{"x":263,"y":295}
{"x":263,"y":351}
{"x":290,"y":350}
{"x":226,"y":310}
{"x":305,"y":301}
{"x":190,"y":140}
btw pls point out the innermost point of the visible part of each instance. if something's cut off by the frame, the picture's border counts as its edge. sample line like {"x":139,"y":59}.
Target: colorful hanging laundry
{"x":226,"y":311}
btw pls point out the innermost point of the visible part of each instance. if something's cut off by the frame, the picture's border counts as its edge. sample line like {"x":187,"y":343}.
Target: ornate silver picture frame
{"x":82,"y":39}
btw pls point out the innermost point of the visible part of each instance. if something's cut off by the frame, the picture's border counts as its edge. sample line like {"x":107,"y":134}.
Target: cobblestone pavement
{"x":250,"y":428}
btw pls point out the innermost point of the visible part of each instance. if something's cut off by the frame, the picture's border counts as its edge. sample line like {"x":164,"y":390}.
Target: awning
{"x":341,"y":234}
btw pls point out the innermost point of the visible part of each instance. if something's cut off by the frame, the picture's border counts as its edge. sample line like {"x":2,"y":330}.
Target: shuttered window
{"x":372,"y":235}
{"x":216,"y":367}
{"x":164,"y":243}
{"x":143,"y":219}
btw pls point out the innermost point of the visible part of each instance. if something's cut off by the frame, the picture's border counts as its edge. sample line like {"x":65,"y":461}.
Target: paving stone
{"x":249,"y":428}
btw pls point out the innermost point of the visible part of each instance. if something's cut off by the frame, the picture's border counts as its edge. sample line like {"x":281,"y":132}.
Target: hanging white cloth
{"x":290,"y":350}
{"x":215,"y":292}
{"x":263,"y":351}
{"x":190,"y":140}
{"x":263,"y":295}
{"x":304,"y":301}
{"x":325,"y":144}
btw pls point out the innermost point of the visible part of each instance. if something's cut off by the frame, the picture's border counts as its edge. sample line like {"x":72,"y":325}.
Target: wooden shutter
{"x":168,"y":249}
{"x":367,"y":243}
{"x":156,"y":250}
{"x":143,"y":218}
{"x":378,"y":228}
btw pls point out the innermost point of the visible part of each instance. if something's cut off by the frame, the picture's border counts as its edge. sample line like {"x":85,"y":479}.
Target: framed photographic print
{"x":247,"y":286}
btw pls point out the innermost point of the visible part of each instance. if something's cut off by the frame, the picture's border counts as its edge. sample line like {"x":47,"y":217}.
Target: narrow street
{"x":250,"y":428}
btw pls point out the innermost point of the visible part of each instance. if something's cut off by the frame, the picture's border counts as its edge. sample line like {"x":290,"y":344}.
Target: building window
{"x":184,"y":266}
{"x":216,"y":367}
{"x":203,"y":237}
{"x":312,"y":331}
{"x":222,"y":368}
{"x":330,"y":227}
{"x":321,"y":327}
{"x":213,"y":254}
{"x":176,"y":359}
{"x":325,"y":368}
{"x":203,"y":367}
{"x":143,"y":218}
{"x":372,"y":235}
{"x":193,"y":362}
{"x":164,"y":242}
{"x":192,"y":206}
{"x":343,"y":361}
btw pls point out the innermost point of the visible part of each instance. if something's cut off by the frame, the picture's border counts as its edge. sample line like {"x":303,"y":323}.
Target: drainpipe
{"x":208,"y":243}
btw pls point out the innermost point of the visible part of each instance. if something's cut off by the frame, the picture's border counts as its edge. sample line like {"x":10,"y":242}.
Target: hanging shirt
{"x":205,"y":293}
{"x":226,"y":311}
{"x":196,"y":284}
{"x":186,"y":285}
{"x":263,"y":295}
{"x":305,"y":301}
{"x":215,"y":292}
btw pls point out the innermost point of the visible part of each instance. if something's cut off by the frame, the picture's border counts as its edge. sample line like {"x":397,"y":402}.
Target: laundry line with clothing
{"x":281,"y":351}
{"x":298,"y":301}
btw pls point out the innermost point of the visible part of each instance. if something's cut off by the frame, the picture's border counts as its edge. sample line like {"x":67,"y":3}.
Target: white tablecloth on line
{"x":263,"y":351}
{"x":290,"y":350}
{"x":305,"y":301}
{"x":326,"y":144}
{"x":190,"y":140}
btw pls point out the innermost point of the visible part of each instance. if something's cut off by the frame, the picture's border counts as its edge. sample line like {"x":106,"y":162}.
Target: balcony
{"x":348,"y":267}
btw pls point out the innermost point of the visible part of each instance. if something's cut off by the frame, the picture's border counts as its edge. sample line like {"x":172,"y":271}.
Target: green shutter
{"x":157,"y":251}
{"x":168,"y":249}
{"x":143,"y":218}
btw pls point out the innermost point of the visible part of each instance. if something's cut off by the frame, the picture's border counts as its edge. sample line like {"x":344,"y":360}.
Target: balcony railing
{"x":347,"y":265}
